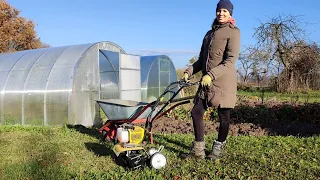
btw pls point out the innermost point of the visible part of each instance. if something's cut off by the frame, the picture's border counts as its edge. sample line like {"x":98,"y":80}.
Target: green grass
{"x":310,"y":97}
{"x":65,"y":153}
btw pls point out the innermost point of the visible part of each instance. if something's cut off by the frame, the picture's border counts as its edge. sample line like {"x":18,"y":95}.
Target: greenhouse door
{"x":129,"y":77}
{"x":109,"y":74}
{"x":164,"y":75}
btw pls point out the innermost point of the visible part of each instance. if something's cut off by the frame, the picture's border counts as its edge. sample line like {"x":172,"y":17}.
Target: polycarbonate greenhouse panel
{"x":11,"y":109}
{"x":164,"y":65}
{"x":173,"y":73}
{"x":35,"y":86}
{"x":154,"y":76}
{"x":130,"y":77}
{"x":164,"y":82}
{"x":33,"y":110}
{"x":14,"y":86}
{"x":164,"y":79}
{"x":173,"y":77}
{"x":129,"y":62}
{"x":104,"y":62}
{"x":7,"y":63}
{"x":112,"y":60}
{"x":8,"y":60}
{"x":133,"y":95}
{"x":18,"y":74}
{"x":153,"y":93}
{"x":146,"y":62}
{"x":109,"y":74}
{"x":56,"y":105}
{"x":157,"y":72}
{"x":39,"y":73}
{"x":86,"y":88}
{"x":130,"y":80}
{"x":109,"y":86}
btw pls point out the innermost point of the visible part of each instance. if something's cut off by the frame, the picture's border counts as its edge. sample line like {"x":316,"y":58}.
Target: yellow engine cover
{"x":136,"y":135}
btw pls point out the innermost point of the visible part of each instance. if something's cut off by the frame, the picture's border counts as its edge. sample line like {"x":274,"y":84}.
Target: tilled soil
{"x":168,"y":125}
{"x":282,"y":119}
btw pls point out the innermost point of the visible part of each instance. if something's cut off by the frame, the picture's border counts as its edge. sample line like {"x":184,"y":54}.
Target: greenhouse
{"x":54,"y":86}
{"x":59,"y":85}
{"x":156,"y":73}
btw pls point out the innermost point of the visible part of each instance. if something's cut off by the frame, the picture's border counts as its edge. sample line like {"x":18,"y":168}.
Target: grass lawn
{"x":69,"y":153}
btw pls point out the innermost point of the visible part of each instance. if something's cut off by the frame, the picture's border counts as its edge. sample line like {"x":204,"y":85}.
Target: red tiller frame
{"x":109,"y":129}
{"x":163,"y":113}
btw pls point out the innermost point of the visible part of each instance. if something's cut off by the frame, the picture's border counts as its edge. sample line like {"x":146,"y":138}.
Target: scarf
{"x":216,"y":24}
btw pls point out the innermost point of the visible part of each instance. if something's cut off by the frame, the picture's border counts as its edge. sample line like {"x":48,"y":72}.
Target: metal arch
{"x":153,"y":61}
{"x":24,"y":86}
{"x":89,"y":48}
{"x":114,"y":44}
{"x":45,"y":94}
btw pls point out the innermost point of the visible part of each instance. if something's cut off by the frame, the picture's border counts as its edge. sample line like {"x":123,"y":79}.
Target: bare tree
{"x":245,"y":67}
{"x":277,"y":39}
{"x":306,"y":64}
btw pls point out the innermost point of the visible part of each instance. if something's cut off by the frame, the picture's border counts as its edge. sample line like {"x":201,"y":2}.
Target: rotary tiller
{"x":129,"y":139}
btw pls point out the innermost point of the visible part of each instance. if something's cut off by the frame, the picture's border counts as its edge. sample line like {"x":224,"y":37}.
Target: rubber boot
{"x":216,"y":152}
{"x":196,"y":151}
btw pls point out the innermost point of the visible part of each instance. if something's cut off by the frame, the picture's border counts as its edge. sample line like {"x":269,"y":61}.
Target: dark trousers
{"x":197,"y":117}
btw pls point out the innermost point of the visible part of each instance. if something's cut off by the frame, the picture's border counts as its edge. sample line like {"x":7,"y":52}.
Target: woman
{"x":219,"y":51}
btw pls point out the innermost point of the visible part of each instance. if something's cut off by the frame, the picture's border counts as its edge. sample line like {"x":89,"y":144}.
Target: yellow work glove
{"x":185,"y":77}
{"x":206,"y":80}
